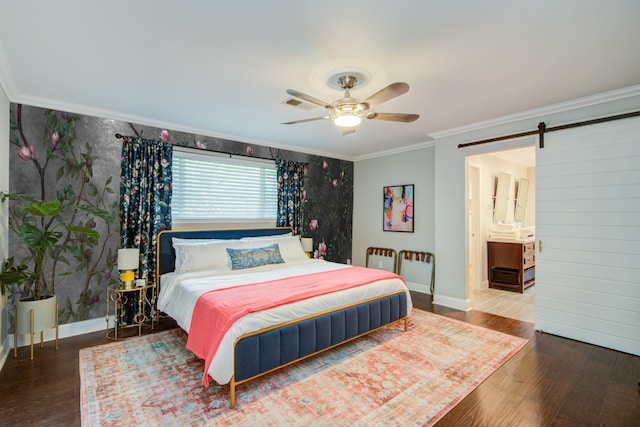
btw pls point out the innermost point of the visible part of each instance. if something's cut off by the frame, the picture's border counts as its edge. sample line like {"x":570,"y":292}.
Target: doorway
{"x":482,"y":171}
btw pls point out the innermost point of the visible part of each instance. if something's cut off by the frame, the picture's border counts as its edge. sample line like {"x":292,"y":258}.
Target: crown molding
{"x":7,"y":84}
{"x":399,"y":150}
{"x":587,"y":101}
{"x":145,"y":121}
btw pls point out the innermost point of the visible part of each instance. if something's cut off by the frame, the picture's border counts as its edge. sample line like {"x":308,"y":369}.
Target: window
{"x":216,"y":188}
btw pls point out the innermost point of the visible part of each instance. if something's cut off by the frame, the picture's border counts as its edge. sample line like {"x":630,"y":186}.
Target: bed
{"x":289,"y":307}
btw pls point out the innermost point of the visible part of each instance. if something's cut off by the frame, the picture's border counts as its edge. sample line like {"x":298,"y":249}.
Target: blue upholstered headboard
{"x":166,"y":256}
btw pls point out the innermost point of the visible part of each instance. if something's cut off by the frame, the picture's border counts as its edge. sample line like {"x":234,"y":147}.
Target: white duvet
{"x":180,"y":291}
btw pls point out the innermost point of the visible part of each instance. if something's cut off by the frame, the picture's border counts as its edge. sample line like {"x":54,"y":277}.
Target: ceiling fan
{"x":348,"y":112}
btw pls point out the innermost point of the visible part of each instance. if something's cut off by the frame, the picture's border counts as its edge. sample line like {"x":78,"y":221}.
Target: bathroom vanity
{"x":511,"y":264}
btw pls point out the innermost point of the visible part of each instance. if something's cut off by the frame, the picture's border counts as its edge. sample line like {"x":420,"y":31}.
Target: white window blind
{"x":208,"y":187}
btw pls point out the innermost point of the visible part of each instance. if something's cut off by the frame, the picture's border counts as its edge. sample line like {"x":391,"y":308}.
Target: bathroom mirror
{"x":501,"y":198}
{"x":521,"y":199}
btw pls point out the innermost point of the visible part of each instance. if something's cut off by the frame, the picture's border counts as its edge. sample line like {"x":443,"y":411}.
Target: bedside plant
{"x":41,"y":229}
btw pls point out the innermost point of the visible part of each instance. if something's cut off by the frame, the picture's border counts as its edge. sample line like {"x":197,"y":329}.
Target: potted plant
{"x":41,"y":228}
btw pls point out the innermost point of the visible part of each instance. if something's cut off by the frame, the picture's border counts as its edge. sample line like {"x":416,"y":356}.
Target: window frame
{"x":268,"y":195}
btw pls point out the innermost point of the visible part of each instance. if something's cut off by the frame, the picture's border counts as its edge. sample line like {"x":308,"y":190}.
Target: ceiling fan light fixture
{"x":348,"y":112}
{"x":347,"y":119}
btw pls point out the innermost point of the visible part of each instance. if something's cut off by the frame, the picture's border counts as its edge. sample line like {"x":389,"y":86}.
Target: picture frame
{"x":398,"y":208}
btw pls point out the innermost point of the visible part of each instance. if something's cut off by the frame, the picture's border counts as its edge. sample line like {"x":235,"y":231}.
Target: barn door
{"x":588,"y":234}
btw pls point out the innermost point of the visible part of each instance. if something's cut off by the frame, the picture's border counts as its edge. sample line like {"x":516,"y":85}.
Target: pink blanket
{"x":216,"y":310}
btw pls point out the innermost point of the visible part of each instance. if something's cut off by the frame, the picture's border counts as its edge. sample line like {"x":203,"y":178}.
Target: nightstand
{"x":132,"y":309}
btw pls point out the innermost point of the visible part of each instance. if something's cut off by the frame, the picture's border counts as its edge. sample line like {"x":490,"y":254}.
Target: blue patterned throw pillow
{"x":254,"y":257}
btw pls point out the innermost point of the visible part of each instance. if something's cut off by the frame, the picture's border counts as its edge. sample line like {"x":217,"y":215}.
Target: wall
{"x":4,"y":231}
{"x":77,"y":157}
{"x":370,"y":176}
{"x":450,"y":182}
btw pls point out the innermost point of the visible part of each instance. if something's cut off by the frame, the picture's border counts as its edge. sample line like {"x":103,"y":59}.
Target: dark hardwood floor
{"x":551,"y":381}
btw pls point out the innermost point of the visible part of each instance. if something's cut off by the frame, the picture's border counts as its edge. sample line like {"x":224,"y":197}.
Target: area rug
{"x":389,"y":377}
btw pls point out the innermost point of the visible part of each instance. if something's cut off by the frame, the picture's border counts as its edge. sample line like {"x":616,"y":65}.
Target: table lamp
{"x":307,"y":245}
{"x":128,"y":260}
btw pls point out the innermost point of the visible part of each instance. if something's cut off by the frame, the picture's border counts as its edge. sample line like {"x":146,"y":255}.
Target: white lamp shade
{"x":307,"y":244}
{"x":128,"y":259}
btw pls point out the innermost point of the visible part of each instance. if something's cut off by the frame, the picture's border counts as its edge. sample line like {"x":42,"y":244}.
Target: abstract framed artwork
{"x":398,"y":208}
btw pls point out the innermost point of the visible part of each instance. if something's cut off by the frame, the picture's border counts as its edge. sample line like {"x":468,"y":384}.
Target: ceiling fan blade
{"x":305,"y":120}
{"x":348,"y":131}
{"x":389,"y":92}
{"x":308,"y":98}
{"x":394,"y":117}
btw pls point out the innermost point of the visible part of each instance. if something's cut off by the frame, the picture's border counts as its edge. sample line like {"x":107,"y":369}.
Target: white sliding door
{"x":588,"y":231}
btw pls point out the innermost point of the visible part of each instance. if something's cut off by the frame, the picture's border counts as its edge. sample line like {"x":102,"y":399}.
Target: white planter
{"x":44,"y":315}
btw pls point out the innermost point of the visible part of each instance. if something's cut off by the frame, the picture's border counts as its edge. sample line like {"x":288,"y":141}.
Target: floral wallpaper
{"x":329,"y":207}
{"x":76,"y":159}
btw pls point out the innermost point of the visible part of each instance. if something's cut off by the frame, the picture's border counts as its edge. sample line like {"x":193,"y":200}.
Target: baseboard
{"x":419,"y":287}
{"x":66,"y":330}
{"x":458,"y":304}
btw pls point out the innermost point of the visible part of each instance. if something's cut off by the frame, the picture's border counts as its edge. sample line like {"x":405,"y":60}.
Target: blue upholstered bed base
{"x":262,"y":352}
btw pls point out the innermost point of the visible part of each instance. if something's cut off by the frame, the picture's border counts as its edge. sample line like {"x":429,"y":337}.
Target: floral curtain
{"x":145,"y":197}
{"x":291,"y":194}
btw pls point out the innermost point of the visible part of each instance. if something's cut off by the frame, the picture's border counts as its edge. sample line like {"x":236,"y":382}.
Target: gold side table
{"x":132,"y":308}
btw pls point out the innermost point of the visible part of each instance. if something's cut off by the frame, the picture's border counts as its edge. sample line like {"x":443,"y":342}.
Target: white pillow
{"x":204,"y":256}
{"x":291,"y":249}
{"x":179,"y":241}
{"x":270,"y":237}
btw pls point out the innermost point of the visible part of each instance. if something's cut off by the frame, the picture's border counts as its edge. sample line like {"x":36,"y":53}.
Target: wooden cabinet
{"x":511,"y":264}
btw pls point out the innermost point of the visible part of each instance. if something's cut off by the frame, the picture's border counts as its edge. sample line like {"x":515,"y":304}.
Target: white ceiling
{"x":221,"y":68}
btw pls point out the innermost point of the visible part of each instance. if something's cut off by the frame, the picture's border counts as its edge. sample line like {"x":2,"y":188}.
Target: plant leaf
{"x":51,"y":208}
{"x":73,"y":250}
{"x":12,"y":274}
{"x":35,"y":238}
{"x":100,"y":213}
{"x":84,"y":230}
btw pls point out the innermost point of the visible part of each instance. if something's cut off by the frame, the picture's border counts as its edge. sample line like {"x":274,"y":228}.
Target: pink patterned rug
{"x":390,"y":377}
